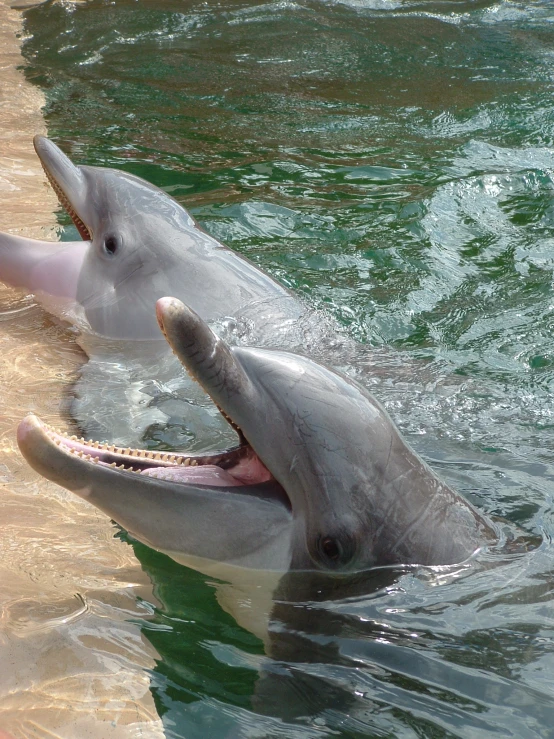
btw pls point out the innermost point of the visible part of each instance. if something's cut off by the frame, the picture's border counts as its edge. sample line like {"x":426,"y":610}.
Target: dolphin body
{"x":138,"y":245}
{"x":321,"y":480}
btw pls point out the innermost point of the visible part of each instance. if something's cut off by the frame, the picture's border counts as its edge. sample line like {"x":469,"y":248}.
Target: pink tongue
{"x":204,"y":475}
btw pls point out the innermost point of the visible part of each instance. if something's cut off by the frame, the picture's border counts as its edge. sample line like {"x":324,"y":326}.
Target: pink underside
{"x":45,"y":267}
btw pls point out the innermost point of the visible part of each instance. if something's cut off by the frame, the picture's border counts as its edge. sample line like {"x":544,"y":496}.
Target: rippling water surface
{"x":392,"y":163}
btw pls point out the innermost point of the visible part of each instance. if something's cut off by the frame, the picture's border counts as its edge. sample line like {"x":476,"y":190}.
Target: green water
{"x":392,"y":163}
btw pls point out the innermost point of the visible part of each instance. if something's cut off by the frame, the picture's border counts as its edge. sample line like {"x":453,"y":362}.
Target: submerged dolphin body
{"x":138,"y":245}
{"x":321,"y":479}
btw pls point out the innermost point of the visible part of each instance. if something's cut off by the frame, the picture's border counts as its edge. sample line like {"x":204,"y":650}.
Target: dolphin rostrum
{"x":138,"y":245}
{"x":320,"y":480}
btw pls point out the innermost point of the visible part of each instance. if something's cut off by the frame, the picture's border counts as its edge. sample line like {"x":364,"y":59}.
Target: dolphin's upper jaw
{"x":63,"y":197}
{"x":238,"y":466}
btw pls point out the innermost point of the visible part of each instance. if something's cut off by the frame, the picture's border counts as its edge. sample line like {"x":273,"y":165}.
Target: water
{"x":392,"y":163}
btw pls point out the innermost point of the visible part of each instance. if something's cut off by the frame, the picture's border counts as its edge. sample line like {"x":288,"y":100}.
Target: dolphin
{"x":138,"y":245}
{"x":321,"y":479}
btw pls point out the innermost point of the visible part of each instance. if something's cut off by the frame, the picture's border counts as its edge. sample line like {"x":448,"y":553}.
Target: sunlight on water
{"x":68,"y":588}
{"x":391,"y":163}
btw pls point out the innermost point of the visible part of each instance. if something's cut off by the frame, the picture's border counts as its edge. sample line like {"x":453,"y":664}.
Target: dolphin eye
{"x":330,"y":548}
{"x":331,"y":553}
{"x":334,"y":552}
{"x":111,"y":245}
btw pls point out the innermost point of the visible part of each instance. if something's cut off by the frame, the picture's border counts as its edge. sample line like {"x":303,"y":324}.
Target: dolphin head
{"x":122,"y":219}
{"x":359,"y":495}
{"x":138,"y":245}
{"x":321,"y":479}
{"x":108,"y":283}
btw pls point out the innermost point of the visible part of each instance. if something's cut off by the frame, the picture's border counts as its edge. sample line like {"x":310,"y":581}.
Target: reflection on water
{"x":392,"y":162}
{"x":73,"y":664}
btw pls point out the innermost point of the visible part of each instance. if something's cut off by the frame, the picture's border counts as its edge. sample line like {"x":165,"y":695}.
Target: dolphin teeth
{"x":73,"y":437}
{"x":186,"y":462}
{"x":127,"y":451}
{"x":113,"y":464}
{"x":193,"y":463}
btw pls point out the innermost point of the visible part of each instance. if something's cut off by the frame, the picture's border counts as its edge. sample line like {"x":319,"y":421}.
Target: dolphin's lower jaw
{"x":188,"y":506}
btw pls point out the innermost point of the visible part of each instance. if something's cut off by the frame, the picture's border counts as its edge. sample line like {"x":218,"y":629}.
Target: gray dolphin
{"x":321,"y":479}
{"x":139,"y":245}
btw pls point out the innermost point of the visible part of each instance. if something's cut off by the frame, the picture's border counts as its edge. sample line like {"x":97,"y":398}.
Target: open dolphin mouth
{"x":41,"y":144}
{"x":237,"y":466}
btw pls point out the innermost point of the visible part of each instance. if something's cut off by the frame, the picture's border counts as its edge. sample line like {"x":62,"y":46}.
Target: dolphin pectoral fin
{"x":240,"y":526}
{"x":47,"y":267}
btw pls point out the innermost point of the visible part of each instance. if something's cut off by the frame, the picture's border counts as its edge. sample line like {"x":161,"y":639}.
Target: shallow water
{"x":72,"y":662}
{"x":392,"y":163}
